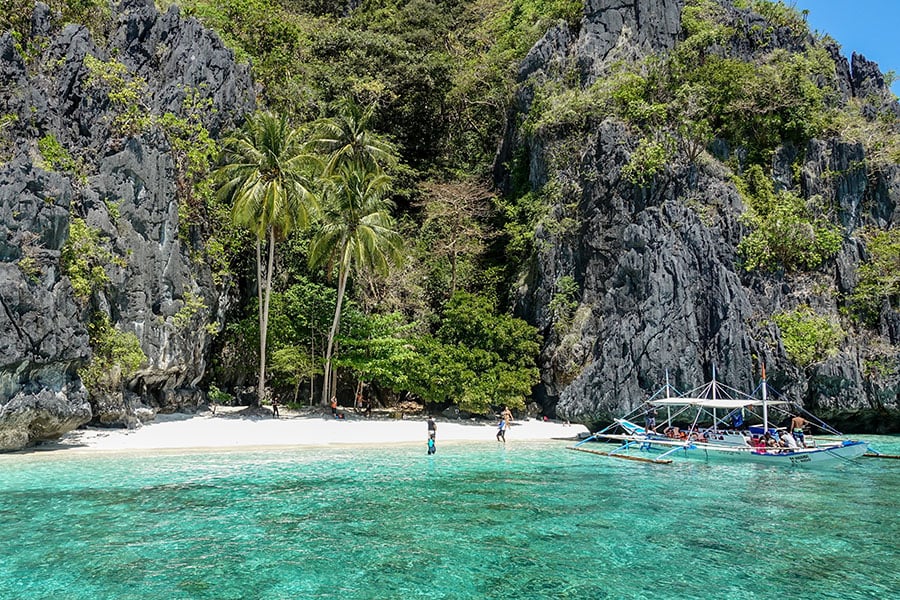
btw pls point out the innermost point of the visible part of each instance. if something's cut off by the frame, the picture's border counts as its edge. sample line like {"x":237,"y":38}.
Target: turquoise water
{"x":529,"y":520}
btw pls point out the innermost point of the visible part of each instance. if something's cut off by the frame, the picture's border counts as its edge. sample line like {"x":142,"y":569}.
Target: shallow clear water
{"x":473,"y":521}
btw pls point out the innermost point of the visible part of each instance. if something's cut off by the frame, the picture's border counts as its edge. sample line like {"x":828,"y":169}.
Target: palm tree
{"x":358,"y":231}
{"x":347,"y":140}
{"x":266,"y":174}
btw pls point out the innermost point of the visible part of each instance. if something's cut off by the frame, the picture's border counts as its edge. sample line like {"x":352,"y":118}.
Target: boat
{"x":721,"y":423}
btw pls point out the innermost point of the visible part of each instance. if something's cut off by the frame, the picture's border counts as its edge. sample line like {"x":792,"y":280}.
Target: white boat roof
{"x":713,"y":403}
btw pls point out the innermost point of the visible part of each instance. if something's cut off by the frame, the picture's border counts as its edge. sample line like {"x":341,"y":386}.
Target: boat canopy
{"x":727,"y":403}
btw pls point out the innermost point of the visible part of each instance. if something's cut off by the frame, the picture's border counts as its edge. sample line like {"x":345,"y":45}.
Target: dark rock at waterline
{"x":124,"y":186}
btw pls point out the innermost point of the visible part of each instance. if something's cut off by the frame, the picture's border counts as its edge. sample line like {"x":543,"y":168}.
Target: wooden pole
{"x":622,"y":456}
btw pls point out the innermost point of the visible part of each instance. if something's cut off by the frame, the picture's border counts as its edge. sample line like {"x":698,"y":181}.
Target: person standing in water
{"x":501,"y":429}
{"x":432,"y":434}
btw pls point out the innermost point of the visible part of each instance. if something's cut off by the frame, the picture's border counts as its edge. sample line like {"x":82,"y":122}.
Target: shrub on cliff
{"x":808,"y":338}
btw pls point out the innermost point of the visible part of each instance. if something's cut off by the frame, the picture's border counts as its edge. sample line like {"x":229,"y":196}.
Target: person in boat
{"x":670,"y":432}
{"x":797,"y":425}
{"x":697,"y":436}
{"x":650,"y":420}
{"x":769,"y":441}
{"x":787,"y":440}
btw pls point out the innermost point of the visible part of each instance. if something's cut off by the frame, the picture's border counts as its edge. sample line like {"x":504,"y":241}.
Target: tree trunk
{"x":326,"y":385}
{"x":260,"y":282}
{"x":312,"y":362}
{"x":452,"y":273}
{"x":264,"y":320}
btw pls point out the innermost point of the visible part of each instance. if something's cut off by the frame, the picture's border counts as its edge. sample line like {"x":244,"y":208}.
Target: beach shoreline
{"x":227,"y":430}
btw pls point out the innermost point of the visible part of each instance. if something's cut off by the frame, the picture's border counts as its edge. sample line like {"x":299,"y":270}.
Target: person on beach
{"x":797,"y":425}
{"x":274,"y":408}
{"x":501,"y":429}
{"x":432,"y":428}
{"x":334,"y":412}
{"x":507,"y":414}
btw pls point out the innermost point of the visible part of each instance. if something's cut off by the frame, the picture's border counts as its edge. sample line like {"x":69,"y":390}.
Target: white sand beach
{"x":228,"y":430}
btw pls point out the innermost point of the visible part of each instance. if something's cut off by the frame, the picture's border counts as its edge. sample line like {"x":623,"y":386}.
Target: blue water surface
{"x":524,"y":520}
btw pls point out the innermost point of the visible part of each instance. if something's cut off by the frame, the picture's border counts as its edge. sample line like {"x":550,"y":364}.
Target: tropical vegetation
{"x":266,"y":176}
{"x":358,"y":203}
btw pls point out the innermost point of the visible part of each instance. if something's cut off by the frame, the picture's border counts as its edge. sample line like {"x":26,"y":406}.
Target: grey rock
{"x":27,"y":418}
{"x":124,"y":188}
{"x":661,"y":288}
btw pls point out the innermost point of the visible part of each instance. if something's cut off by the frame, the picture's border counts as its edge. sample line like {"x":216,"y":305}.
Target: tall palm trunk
{"x":259,"y":297}
{"x":264,"y":312}
{"x":312,"y":361}
{"x":342,"y":284}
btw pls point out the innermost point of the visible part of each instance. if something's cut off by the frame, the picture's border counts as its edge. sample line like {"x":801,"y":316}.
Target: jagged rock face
{"x":125,"y":188}
{"x":659,"y":287}
{"x":43,"y":337}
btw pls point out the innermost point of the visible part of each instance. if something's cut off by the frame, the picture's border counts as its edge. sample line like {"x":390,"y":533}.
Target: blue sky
{"x":867,"y":27}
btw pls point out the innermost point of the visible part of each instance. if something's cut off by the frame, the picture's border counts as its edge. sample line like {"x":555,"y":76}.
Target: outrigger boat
{"x":717,"y":414}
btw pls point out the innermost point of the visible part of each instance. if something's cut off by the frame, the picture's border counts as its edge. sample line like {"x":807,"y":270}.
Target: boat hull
{"x":826,"y":456}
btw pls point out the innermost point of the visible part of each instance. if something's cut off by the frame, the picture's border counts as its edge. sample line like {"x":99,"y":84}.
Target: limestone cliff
{"x":658,"y":281}
{"x":73,"y":149}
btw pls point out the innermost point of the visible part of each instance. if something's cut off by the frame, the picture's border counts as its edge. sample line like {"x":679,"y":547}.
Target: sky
{"x":867,"y":27}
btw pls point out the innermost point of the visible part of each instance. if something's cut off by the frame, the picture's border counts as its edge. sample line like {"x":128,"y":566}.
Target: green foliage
{"x":648,"y":159}
{"x":778,"y":14}
{"x":807,"y":337}
{"x":125,"y":92}
{"x":193,"y":305}
{"x":699,"y":91}
{"x":218,"y":396}
{"x":193,"y":151}
{"x":55,"y":154}
{"x":705,"y":25}
{"x":298,"y":327}
{"x":15,"y":15}
{"x":116,"y":356}
{"x":266,"y":174}
{"x":292,"y":365}
{"x":564,"y":302}
{"x":521,"y":217}
{"x":787,"y":233}
{"x":879,"y":275}
{"x":879,"y":135}
{"x":477,"y":358}
{"x":85,"y":258}
{"x":7,"y":120}
{"x":30,"y":268}
{"x":377,"y":348}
